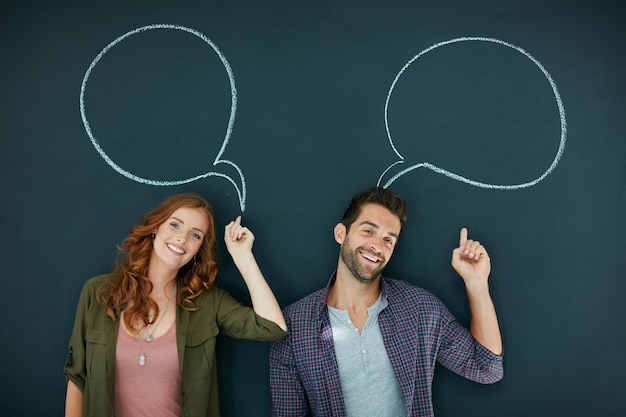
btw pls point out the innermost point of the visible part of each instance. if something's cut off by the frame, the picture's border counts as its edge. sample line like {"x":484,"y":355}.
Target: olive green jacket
{"x":91,"y":359}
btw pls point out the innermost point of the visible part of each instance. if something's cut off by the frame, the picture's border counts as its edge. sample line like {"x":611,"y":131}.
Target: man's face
{"x":367,"y":247}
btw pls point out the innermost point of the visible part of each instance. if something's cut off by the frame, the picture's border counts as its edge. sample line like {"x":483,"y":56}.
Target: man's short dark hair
{"x":375,"y":195}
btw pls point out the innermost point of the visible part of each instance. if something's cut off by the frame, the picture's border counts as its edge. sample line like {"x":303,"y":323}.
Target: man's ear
{"x":340,"y":233}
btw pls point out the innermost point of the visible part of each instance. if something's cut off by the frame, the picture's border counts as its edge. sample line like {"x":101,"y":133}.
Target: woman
{"x":143,"y":341}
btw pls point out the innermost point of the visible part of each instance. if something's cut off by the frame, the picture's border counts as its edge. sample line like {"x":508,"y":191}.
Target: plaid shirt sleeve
{"x":304,"y":377}
{"x":288,"y":396}
{"x":462,"y":354}
{"x":441,"y":336}
{"x":418,"y":331}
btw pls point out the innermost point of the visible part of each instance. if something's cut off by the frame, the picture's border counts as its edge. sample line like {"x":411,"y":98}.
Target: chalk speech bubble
{"x":241,"y":189}
{"x":452,"y":175}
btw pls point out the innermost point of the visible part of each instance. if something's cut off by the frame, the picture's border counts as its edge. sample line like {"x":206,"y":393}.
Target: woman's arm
{"x":73,"y":401}
{"x":239,"y":242}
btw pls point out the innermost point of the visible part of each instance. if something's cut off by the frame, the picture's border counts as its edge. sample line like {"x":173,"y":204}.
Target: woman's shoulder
{"x":215,"y":294}
{"x":209,"y":298}
{"x":95,"y":282}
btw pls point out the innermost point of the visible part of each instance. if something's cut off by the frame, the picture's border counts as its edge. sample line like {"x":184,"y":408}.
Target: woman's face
{"x":179,"y":238}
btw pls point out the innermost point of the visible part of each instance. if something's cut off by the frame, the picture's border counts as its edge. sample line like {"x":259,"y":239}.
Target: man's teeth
{"x":175,"y":249}
{"x":369,"y":257}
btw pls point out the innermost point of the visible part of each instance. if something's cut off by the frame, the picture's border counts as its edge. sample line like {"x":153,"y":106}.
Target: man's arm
{"x":288,"y":396}
{"x":472,"y":263}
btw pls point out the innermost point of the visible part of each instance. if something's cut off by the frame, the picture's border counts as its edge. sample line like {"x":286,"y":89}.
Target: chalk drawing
{"x":241,"y":190}
{"x":451,"y":174}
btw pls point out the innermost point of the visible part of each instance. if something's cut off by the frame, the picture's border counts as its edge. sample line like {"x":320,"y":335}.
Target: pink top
{"x":154,"y":388}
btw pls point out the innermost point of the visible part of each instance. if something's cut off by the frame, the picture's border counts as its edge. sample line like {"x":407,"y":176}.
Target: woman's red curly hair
{"x":129,"y":287}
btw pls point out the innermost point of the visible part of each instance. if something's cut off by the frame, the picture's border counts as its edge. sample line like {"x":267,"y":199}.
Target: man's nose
{"x":377,"y":244}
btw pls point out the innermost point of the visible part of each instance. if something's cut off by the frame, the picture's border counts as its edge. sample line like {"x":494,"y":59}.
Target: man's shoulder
{"x":401,"y":286}
{"x":400,"y":289}
{"x":308,"y":301}
{"x":306,"y":308}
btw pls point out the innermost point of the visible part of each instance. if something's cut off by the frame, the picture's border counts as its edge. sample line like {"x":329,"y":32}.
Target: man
{"x":367,"y":345}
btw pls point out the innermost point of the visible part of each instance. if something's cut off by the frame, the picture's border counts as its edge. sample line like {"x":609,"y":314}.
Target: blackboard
{"x":503,"y":116}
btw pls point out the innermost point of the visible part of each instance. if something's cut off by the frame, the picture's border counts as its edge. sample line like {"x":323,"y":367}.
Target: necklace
{"x":142,"y":357}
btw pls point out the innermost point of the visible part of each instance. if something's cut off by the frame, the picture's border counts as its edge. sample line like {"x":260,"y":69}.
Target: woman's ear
{"x":340,"y":233}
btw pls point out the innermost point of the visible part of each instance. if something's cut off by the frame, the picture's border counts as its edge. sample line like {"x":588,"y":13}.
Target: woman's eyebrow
{"x":194,"y":228}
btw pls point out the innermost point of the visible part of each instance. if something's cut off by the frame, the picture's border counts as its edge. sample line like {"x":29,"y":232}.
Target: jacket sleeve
{"x":464,"y":355}
{"x":75,"y":365}
{"x":241,"y":322}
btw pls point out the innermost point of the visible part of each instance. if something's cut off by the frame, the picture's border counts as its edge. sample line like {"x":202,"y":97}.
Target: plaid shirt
{"x":417,"y":330}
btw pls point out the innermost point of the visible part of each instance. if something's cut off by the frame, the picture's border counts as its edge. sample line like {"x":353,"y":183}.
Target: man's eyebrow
{"x":369,"y":223}
{"x":375,"y":226}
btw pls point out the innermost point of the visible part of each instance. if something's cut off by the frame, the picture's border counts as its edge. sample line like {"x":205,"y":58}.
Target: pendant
{"x":149,"y":338}
{"x":142,"y":360}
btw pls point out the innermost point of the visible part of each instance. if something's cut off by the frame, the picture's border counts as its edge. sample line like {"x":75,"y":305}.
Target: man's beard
{"x":351,"y":259}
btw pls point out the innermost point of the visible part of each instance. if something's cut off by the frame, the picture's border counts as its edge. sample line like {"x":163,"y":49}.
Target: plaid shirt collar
{"x":323,"y":305}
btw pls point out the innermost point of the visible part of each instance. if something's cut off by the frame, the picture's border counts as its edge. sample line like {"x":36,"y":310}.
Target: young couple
{"x":143,"y":341}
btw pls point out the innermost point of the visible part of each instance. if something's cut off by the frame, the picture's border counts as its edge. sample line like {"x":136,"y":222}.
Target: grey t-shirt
{"x":368,"y":383}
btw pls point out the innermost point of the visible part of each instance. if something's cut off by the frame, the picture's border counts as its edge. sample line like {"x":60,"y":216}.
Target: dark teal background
{"x":312,"y":79}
